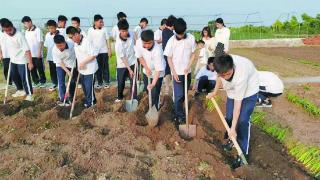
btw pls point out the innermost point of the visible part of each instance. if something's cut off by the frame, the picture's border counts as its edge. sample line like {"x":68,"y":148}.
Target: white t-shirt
{"x":125,"y":49}
{"x":154,"y":58}
{"x":67,"y":56}
{"x":245,"y":82}
{"x":99,"y":38}
{"x":205,"y":72}
{"x":83,"y":51}
{"x":18,"y":47}
{"x":210,"y":43}
{"x":3,"y":46}
{"x":49,"y":44}
{"x":180,"y":51}
{"x":158,"y":35}
{"x":203,"y":58}
{"x":115,"y":32}
{"x":34,"y":38}
{"x":271,"y":82}
{"x":137,"y":31}
{"x":63,"y":32}
{"x":223,"y":36}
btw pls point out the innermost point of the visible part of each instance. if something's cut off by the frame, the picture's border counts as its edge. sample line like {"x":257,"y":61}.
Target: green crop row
{"x":305,"y":103}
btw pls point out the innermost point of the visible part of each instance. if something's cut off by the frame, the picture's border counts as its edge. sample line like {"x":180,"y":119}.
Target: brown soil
{"x":312,"y":40}
{"x":310,"y":91}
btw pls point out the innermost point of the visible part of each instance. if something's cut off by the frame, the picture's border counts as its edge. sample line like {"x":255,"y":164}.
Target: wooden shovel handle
{"x":74,"y":97}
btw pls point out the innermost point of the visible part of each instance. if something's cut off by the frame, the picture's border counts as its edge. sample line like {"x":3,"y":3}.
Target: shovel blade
{"x":187,"y":131}
{"x":131,"y":106}
{"x":152,"y":117}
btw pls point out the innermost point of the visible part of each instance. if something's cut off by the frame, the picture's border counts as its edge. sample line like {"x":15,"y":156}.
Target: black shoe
{"x":237,"y":162}
{"x":228,"y":146}
{"x":196,"y":94}
{"x":177,"y":122}
{"x":226,"y":136}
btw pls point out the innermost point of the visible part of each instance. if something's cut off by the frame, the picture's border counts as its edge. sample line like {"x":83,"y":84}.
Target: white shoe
{"x":19,"y":93}
{"x":53,"y":88}
{"x":117,"y":100}
{"x":106,"y":86}
{"x":42,"y":85}
{"x":29,"y":98}
{"x":79,"y":86}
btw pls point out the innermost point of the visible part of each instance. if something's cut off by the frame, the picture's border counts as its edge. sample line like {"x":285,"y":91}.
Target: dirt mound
{"x":315,"y":40}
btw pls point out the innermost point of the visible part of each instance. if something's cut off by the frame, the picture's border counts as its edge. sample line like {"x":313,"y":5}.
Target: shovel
{"x":140,"y":87}
{"x":187,"y":131}
{"x":7,"y":86}
{"x":152,"y":115}
{"x":74,"y":97}
{"x":236,"y":145}
{"x":67,"y":94}
{"x":131,"y":105}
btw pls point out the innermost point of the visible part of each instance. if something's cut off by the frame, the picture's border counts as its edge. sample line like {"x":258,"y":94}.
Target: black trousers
{"x":37,"y":73}
{"x":103,"y":73}
{"x":155,"y":92}
{"x":6,"y":62}
{"x":53,"y":73}
{"x":122,"y":75}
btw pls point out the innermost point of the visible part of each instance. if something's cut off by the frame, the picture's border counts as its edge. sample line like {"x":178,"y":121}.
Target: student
{"x":126,"y":59}
{"x":4,"y":56}
{"x":222,"y":36}
{"x":86,"y":56}
{"x":202,"y":58}
{"x":158,"y":32}
{"x":34,"y":38}
{"x":21,"y":60}
{"x":239,"y":78}
{"x":150,"y":55}
{"x":49,"y":44}
{"x":65,"y":59}
{"x":62,"y":21}
{"x":167,"y":33}
{"x":210,"y":42}
{"x":180,"y":52}
{"x":141,"y":27}
{"x":115,"y":29}
{"x":205,"y":78}
{"x":98,"y":35}
{"x":270,"y":85}
{"x":75,"y":22}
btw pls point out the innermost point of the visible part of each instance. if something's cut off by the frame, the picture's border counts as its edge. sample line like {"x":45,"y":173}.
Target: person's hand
{"x":211,"y":95}
{"x":194,"y":87}
{"x":176,"y":77}
{"x":233,"y":133}
{"x":82,"y":66}
{"x":131,"y":73}
{"x":69,"y":73}
{"x":109,"y":53}
{"x":30,"y":66}
{"x":226,"y":51}
{"x":39,"y":55}
{"x":1,"y":57}
{"x":148,"y":72}
{"x":150,"y":87}
{"x":186,"y":71}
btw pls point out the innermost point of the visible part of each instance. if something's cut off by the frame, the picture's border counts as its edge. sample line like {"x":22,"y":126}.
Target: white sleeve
{"x":169,"y":48}
{"x":45,"y":44}
{"x":39,"y":35}
{"x":55,"y":57}
{"x":138,"y":50}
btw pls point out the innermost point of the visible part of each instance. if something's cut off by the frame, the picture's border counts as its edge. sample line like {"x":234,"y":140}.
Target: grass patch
{"x":309,"y":63}
{"x":210,"y":105}
{"x":307,"y":105}
{"x":307,"y":87}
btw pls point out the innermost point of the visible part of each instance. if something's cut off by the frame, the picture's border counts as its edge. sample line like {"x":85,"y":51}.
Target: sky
{"x":196,"y":12}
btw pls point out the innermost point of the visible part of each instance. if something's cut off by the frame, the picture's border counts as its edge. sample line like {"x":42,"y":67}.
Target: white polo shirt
{"x":67,"y":56}
{"x":205,"y":72}
{"x":63,"y":32}
{"x":34,"y":38}
{"x":18,"y":47}
{"x":245,"y":81}
{"x":84,"y":50}
{"x":203,"y":58}
{"x":223,"y":36}
{"x":154,"y":58}
{"x":125,"y":49}
{"x":99,"y":38}
{"x":180,"y":51}
{"x":115,"y":32}
{"x":3,"y":46}
{"x":158,"y":35}
{"x":271,"y":82}
{"x":49,"y":44}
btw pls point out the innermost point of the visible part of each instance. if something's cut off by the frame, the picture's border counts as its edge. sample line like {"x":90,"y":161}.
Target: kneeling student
{"x":270,"y":85}
{"x":65,"y":59}
{"x":87,"y":64}
{"x":239,"y":78}
{"x":150,"y":55}
{"x":206,"y":78}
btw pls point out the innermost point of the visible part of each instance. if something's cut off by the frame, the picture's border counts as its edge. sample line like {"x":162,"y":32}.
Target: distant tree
{"x":277,"y":25}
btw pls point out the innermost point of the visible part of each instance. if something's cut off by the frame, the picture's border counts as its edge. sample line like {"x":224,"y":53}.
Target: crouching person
{"x":65,"y":59}
{"x":150,"y":56}
{"x":270,"y":85}
{"x":239,"y":78}
{"x":87,"y":64}
{"x":205,"y":78}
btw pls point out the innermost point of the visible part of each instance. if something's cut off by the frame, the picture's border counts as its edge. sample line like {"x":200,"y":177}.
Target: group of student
{"x":167,"y":57}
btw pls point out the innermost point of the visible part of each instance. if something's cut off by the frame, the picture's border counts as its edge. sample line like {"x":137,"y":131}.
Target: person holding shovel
{"x":239,"y":78}
{"x":65,"y":59}
{"x":180,"y":51}
{"x":150,"y":55}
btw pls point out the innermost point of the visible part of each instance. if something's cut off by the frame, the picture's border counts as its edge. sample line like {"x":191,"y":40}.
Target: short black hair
{"x":210,"y":60}
{"x":223,"y":63}
{"x":163,"y":21}
{"x":58,"y":39}
{"x":121,"y":15}
{"x":26,"y":19}
{"x":62,"y":18}
{"x":123,"y":24}
{"x":200,"y":42}
{"x":147,"y":35}
{"x":77,"y":19}
{"x":6,"y":23}
{"x":144,"y":20}
{"x":170,"y":20}
{"x":220,"y":21}
{"x":72,"y":30}
{"x":97,"y":17}
{"x":51,"y":23}
{"x":180,"y":26}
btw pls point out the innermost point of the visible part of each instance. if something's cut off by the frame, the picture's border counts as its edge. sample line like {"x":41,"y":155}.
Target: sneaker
{"x":53,"y":88}
{"x":88,"y":106}
{"x":238,"y":162}
{"x":42,"y":85}
{"x":35,"y":85}
{"x":29,"y":98}
{"x":106,"y":86}
{"x":98,"y":86}
{"x":196,"y":94}
{"x":60,"y":103}
{"x":264,"y":104}
{"x":228,"y":146}
{"x":118,"y":100}
{"x":79,"y":86}
{"x":19,"y":93}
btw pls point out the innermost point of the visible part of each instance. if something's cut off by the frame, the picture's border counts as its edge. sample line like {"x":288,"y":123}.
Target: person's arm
{"x":30,"y":64}
{"x":227,"y":37}
{"x":186,"y":71}
{"x":173,"y":70}
{"x":216,"y":89}
{"x":145,"y":66}
{"x":154,"y":80}
{"x":40,"y":40}
{"x":1,"y":56}
{"x":63,"y":66}
{"x":82,"y":64}
{"x":195,"y":84}
{"x":109,"y":50}
{"x":236,"y":114}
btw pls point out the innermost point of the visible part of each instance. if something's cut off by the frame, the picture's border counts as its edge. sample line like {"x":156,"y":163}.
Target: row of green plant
{"x":307,"y":105}
{"x":309,"y":63}
{"x":307,"y":155}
